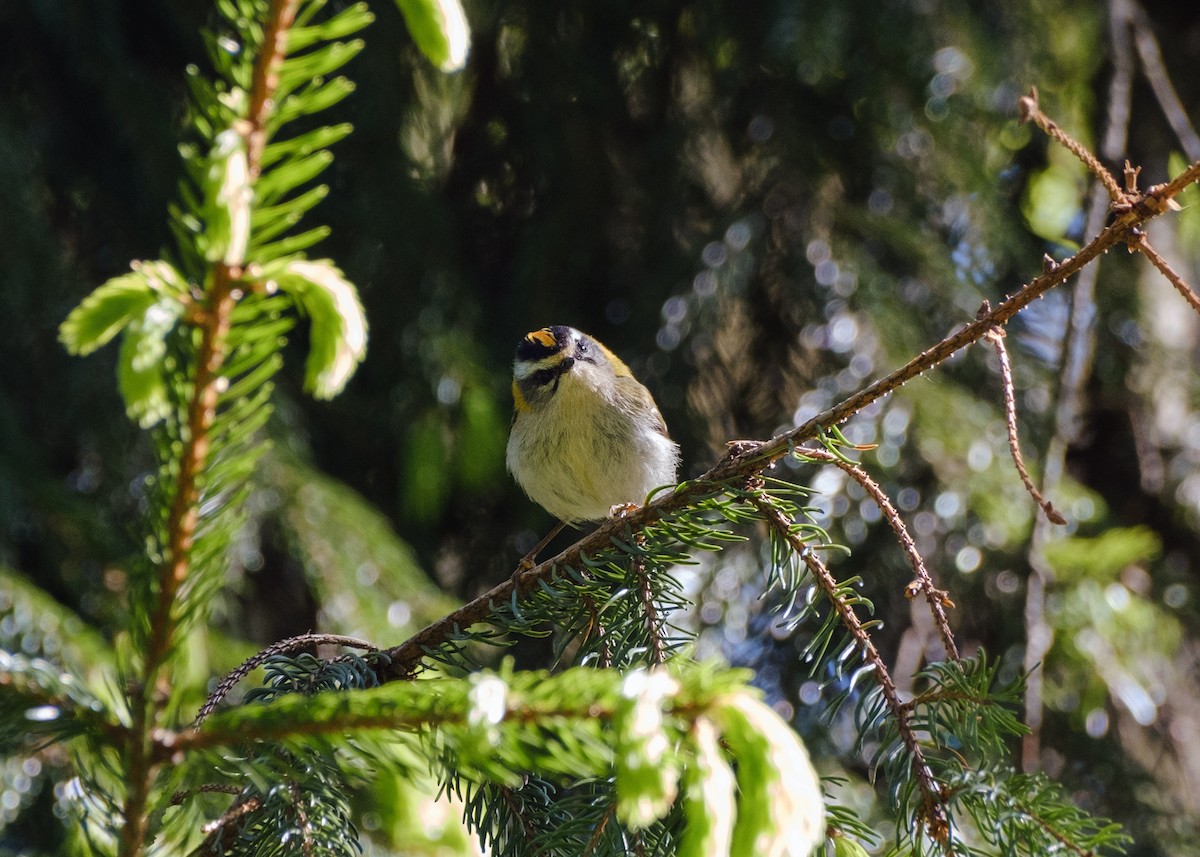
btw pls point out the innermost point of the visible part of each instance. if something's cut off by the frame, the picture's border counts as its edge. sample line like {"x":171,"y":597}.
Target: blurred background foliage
{"x":761,"y":208}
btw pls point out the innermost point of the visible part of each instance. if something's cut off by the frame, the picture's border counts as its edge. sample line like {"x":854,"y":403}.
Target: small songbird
{"x":586,"y":435}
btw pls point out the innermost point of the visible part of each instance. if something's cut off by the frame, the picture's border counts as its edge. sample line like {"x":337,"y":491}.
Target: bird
{"x":587,"y":440}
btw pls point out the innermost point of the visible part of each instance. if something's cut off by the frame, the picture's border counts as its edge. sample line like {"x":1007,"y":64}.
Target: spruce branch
{"x":149,"y":699}
{"x":283,"y":647}
{"x":654,"y":623}
{"x":932,"y":815}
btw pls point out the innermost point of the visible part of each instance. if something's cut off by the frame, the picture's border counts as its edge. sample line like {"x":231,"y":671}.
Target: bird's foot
{"x":622,"y":509}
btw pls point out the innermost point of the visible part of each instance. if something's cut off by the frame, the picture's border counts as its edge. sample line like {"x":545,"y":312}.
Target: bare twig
{"x":594,"y":624}
{"x":599,"y":832}
{"x":283,"y":647}
{"x":1029,"y":111}
{"x":996,"y":337}
{"x":220,"y":833}
{"x":932,"y":814}
{"x":937,"y":598}
{"x":1142,"y":245}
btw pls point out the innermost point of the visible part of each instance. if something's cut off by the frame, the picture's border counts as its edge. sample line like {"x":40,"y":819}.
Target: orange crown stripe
{"x":542,"y":337}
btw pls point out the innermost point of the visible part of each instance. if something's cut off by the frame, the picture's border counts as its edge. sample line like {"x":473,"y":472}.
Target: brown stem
{"x":220,"y":835}
{"x":1143,"y":246}
{"x":1030,"y":111}
{"x":650,"y":613}
{"x":148,"y":698}
{"x":996,"y":337}
{"x":599,"y":832}
{"x":604,"y":661}
{"x":936,"y":598}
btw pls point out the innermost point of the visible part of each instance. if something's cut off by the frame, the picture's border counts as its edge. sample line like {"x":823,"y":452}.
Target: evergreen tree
{"x":627,"y":740}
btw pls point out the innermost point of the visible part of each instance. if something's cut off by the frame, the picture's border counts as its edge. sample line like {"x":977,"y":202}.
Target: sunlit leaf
{"x":647,"y":770}
{"x":780,"y":809}
{"x":106,"y":311}
{"x":708,"y":800}
{"x":338,"y":335}
{"x":140,"y":371}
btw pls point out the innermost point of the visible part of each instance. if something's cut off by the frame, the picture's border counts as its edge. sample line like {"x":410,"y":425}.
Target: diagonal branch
{"x":283,"y":647}
{"x":750,"y":459}
{"x":1185,"y":291}
{"x":932,"y":814}
{"x":1030,"y":111}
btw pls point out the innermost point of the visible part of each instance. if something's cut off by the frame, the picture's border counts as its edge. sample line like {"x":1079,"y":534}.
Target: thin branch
{"x":595,"y":840}
{"x":1142,"y":245}
{"x":302,"y":818}
{"x":220,"y":833}
{"x":1052,"y":831}
{"x":932,"y":814}
{"x":283,"y":647}
{"x":937,"y":598}
{"x":605,"y":660}
{"x":996,"y":337}
{"x":1029,"y":111}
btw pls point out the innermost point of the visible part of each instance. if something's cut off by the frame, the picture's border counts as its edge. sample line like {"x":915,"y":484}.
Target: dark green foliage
{"x":764,"y":208}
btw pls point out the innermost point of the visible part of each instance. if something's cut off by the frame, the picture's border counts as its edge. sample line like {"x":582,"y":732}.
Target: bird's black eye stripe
{"x":549,"y":375}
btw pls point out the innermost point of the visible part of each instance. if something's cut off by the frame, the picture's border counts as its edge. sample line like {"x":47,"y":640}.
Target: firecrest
{"x":586,"y":436}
